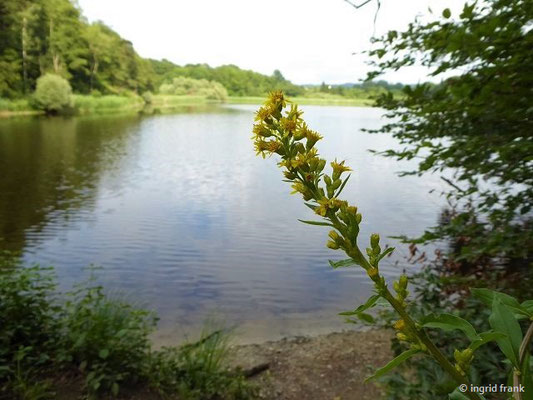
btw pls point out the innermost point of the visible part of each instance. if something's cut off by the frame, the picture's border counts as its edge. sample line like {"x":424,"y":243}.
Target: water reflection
{"x":185,"y":219}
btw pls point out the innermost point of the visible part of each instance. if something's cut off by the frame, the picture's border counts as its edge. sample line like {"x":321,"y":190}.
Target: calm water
{"x":184,"y":219}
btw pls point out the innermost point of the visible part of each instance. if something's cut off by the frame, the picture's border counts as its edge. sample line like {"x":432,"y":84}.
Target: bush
{"x":53,"y":94}
{"x":182,"y":86}
{"x":104,"y":339}
{"x":29,"y":321}
{"x":148,"y":97}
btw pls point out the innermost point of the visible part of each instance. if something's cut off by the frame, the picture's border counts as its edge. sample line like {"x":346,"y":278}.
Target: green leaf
{"x":528,"y":305}
{"x":527,"y":378}
{"x":311,"y":206}
{"x":449,"y":322}
{"x":365,"y":317}
{"x":393,"y":364}
{"x":342,"y":263}
{"x":485,"y":338}
{"x":316,"y":223}
{"x":103,"y":353}
{"x":487,"y":296}
{"x":385,"y":253}
{"x":457,"y":395}
{"x":503,"y":320}
{"x":114,"y":388}
{"x":342,"y":186}
{"x":446,"y":13}
{"x":372,"y":300}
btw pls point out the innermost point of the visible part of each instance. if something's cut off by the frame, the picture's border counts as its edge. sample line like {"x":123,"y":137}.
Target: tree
{"x":474,"y":127}
{"x":53,"y":94}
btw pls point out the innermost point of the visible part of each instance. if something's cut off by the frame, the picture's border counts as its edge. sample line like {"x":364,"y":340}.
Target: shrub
{"x":148,"y":97}
{"x":29,"y":323}
{"x":182,"y":86}
{"x":53,"y":94}
{"x":106,"y":338}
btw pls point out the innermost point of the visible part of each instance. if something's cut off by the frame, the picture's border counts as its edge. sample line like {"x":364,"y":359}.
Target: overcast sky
{"x":309,"y":41}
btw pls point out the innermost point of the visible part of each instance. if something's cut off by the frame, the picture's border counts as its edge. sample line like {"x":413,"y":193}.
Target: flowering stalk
{"x":283,"y":132}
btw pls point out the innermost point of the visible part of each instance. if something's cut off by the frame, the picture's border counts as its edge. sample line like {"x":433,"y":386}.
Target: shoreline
{"x":327,"y":366}
{"x":89,"y":105}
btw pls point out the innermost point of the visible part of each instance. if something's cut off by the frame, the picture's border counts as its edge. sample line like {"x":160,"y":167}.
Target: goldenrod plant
{"x":279,"y":129}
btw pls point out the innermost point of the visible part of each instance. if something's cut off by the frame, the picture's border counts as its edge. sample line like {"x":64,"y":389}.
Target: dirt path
{"x":327,"y":367}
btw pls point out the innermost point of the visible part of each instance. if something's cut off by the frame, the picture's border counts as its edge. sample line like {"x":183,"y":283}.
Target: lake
{"x":184,"y":219}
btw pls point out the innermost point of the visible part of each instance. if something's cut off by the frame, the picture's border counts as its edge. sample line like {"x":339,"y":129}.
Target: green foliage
{"x":14,"y":105}
{"x":475,"y":125}
{"x":197,"y":371}
{"x":53,"y":94}
{"x":105,"y":340}
{"x":29,"y":321}
{"x":284,"y":132}
{"x":182,"y":86}
{"x":107,"y":103}
{"x":148,"y":97}
{"x":238,"y":82}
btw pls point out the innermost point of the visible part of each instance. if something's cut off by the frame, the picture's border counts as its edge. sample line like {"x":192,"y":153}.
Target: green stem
{"x":522,"y":355}
{"x":420,"y":333}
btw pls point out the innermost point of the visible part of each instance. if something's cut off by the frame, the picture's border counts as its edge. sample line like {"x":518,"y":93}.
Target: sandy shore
{"x":331,"y":366}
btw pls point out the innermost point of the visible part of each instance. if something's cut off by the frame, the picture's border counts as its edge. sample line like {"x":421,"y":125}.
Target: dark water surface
{"x":186,"y":220}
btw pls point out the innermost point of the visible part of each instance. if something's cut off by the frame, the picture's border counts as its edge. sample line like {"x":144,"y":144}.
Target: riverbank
{"x":328,"y":101}
{"x":85,"y":104}
{"x":331,"y":366}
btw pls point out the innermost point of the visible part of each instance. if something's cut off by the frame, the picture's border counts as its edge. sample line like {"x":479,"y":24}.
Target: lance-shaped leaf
{"x":503,"y":320}
{"x":342,"y":263}
{"x":487,"y":297}
{"x":449,"y":322}
{"x":486,"y":337}
{"x":393,"y":364}
{"x":371,"y":302}
{"x":342,"y":186}
{"x":311,"y":206}
{"x":316,"y":223}
{"x":385,"y":253}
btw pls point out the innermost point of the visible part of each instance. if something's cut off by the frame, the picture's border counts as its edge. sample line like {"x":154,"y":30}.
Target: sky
{"x":309,"y":41}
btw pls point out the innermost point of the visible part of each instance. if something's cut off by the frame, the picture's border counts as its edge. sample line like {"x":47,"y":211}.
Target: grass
{"x":87,"y":104}
{"x":97,"y":346}
{"x":165,"y":100}
{"x":96,"y":104}
{"x":329,"y":101}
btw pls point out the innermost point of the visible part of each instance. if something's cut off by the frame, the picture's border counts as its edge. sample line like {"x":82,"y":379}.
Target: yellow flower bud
{"x":332,"y":245}
{"x":334,"y":235}
{"x":399,"y":325}
{"x":403,"y":281}
{"x":402,"y":336}
{"x":374,"y":240}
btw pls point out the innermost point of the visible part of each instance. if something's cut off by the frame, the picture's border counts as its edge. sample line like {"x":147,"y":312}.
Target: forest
{"x":52,"y":36}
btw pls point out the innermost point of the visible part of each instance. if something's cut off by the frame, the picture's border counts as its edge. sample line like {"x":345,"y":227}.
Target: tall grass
{"x":94,"y":104}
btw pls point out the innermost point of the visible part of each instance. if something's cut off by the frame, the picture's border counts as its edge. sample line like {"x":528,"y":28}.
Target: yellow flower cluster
{"x":284,"y":132}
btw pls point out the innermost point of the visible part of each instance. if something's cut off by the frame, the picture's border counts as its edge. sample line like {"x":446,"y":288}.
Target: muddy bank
{"x":331,"y":366}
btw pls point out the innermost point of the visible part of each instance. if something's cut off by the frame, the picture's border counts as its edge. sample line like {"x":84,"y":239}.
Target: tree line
{"x":52,"y":36}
